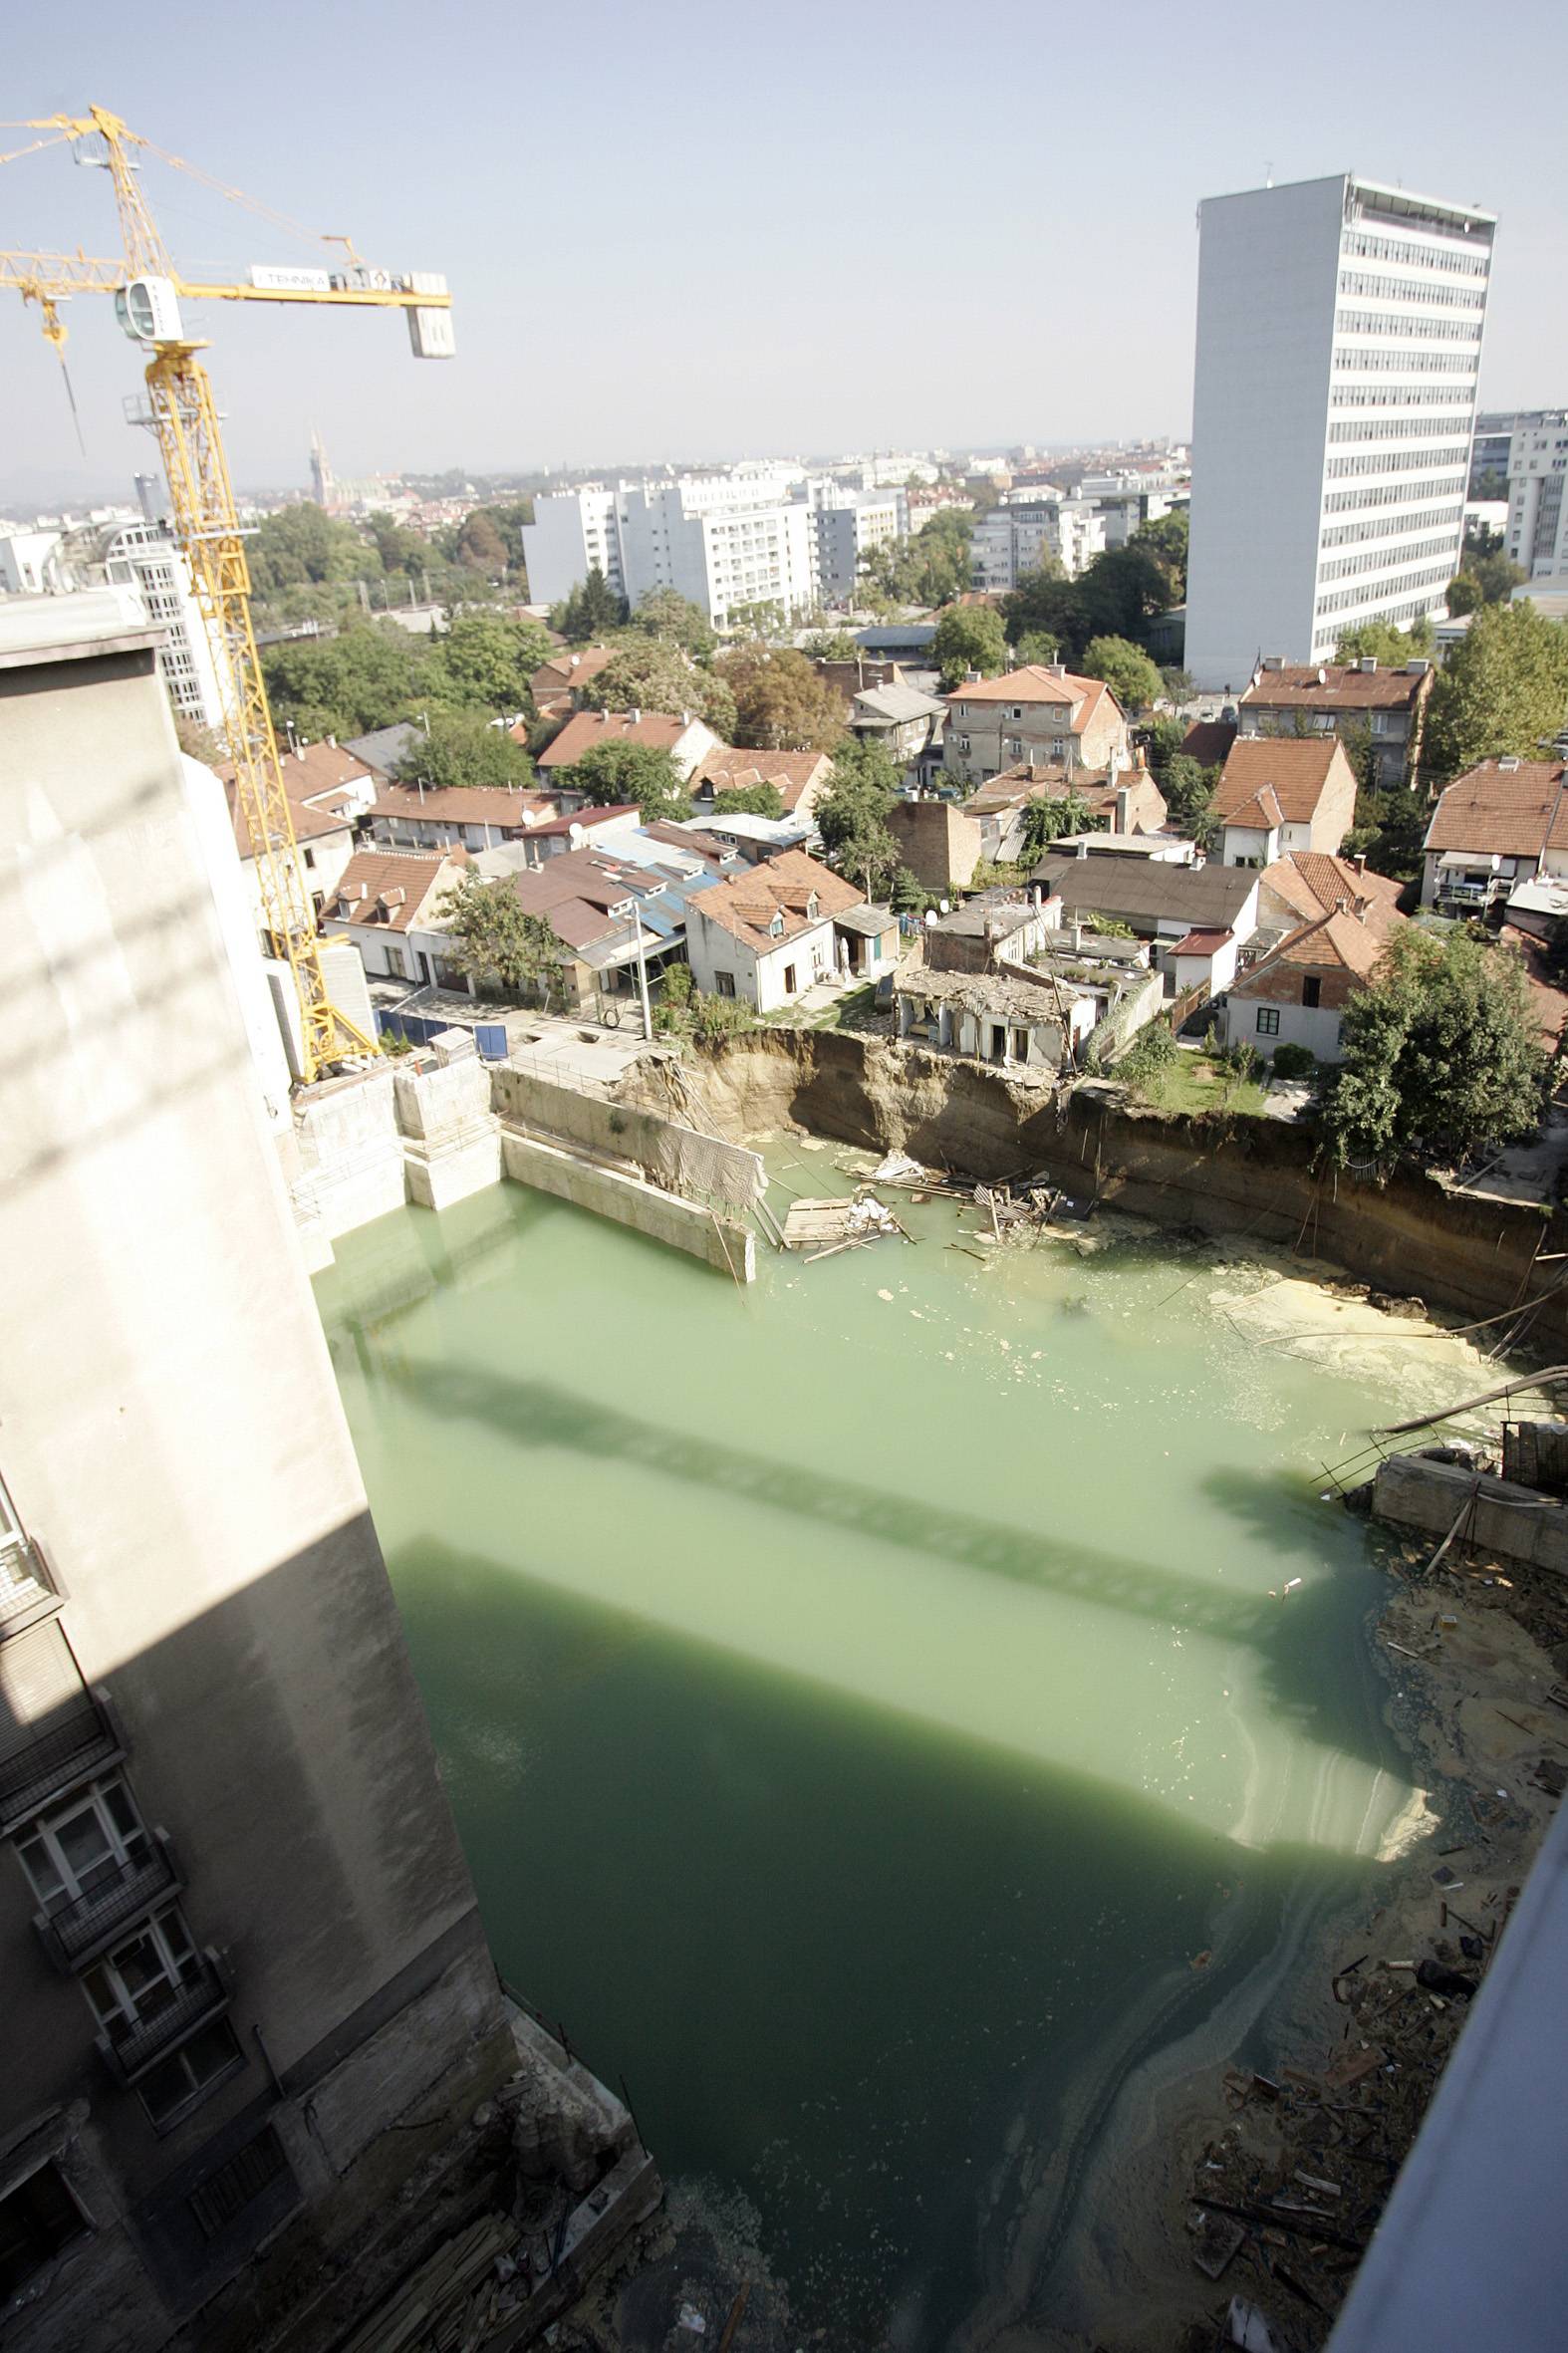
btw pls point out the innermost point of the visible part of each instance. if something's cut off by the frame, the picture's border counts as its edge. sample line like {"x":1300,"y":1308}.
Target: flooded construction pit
{"x":902,"y":1718}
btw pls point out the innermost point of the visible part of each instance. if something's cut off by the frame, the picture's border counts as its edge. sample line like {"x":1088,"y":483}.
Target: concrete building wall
{"x":573,"y":533}
{"x":1339,"y":334}
{"x":1537,"y":526}
{"x":222,"y":1578}
{"x":764,"y":978}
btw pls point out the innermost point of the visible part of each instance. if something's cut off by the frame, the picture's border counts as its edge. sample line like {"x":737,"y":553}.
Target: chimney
{"x":1368,"y":666}
{"x":1360,"y":862}
{"x":1323,"y":676}
{"x":635,"y":716}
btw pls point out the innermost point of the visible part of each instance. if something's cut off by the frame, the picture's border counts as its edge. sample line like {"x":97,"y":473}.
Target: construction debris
{"x":821,"y":1227}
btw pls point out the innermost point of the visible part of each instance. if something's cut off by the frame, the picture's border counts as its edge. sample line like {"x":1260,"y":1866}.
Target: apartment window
{"x":137,"y":1979}
{"x":724,"y":984}
{"x":84,"y":1846}
{"x":166,"y":2090}
{"x":1268,"y":1021}
{"x":37,"y":2219}
{"x":1311,"y":989}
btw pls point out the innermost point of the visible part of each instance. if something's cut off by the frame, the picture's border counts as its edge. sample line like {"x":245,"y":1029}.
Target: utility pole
{"x":642,"y":976}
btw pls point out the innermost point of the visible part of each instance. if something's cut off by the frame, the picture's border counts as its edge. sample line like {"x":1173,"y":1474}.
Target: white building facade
{"x":145,"y":556}
{"x":1339,"y":343}
{"x":1017,"y":536}
{"x":27,"y":562}
{"x":739,"y":543}
{"x":1537,"y":528}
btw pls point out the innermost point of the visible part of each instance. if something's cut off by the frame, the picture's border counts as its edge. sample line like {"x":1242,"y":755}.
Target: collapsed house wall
{"x":1244,"y":1175}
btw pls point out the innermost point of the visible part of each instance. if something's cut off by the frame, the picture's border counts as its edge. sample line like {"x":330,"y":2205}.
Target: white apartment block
{"x":1537,"y":528}
{"x":733,"y":543}
{"x":145,"y":556}
{"x":1015,"y":537}
{"x":850,"y":526}
{"x":1339,"y":340}
{"x":27,"y":562}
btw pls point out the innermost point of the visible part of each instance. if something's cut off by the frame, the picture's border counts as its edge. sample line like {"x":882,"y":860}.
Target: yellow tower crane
{"x":148,"y":291}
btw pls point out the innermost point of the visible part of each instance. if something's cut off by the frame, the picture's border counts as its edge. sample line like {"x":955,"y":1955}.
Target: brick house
{"x":1389,"y":704}
{"x":1039,"y":713}
{"x":1276,"y":795}
{"x":1297,"y":995}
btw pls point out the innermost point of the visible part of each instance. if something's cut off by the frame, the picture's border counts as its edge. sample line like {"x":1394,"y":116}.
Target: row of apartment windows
{"x":1363,"y":245}
{"x":1403,"y":428}
{"x":1339,"y":502}
{"x":1379,"y":559}
{"x":1410,"y":290}
{"x":1389,"y":526}
{"x":1354,"y":362}
{"x":1338,"y":599}
{"x":1343,"y":469}
{"x":1407,"y":323}
{"x":1366,"y":396}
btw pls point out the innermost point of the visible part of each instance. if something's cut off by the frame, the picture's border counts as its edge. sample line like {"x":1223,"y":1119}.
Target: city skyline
{"x":706,"y":242}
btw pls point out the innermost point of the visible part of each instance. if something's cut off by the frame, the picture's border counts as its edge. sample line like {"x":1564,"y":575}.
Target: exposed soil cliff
{"x":1224,"y":1175}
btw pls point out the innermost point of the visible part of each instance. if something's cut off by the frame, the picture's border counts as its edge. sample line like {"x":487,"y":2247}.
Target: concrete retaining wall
{"x":554,"y":1168}
{"x":667,"y":1153}
{"x":1499,"y":1517}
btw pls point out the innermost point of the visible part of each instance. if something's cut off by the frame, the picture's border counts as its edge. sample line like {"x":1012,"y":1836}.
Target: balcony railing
{"x":76,"y":1933}
{"x":71,"y":1743}
{"x":128,"y":2050}
{"x":26,"y":1591}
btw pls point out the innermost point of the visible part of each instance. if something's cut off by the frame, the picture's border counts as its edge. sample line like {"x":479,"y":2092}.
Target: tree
{"x":781,"y":703}
{"x":969,"y":638}
{"x":1125,"y":669}
{"x":1464,"y":592}
{"x":1505,"y":688}
{"x":590,"y":609}
{"x":300,"y":543}
{"x":749,"y":800}
{"x":830,"y":646}
{"x":1037,"y":646}
{"x":1440,"y":1055}
{"x":197,"y":741}
{"x":1497,"y":575}
{"x":652,"y":674}
{"x":1045,"y":821}
{"x":1167,"y":536}
{"x":664,"y":612}
{"x":497,"y":945}
{"x":485,"y":662}
{"x":364,"y":678}
{"x":609,"y":773}
{"x":850,"y":813}
{"x":931,"y":568}
{"x":1188,"y":789}
{"x":461,"y":748}
{"x":481,"y":547}
{"x":1382,"y":641}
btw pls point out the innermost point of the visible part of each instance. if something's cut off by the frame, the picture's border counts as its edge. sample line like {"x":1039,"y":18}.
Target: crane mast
{"x":183,"y":414}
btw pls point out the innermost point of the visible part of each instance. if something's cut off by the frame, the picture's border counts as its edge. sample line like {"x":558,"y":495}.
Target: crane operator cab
{"x":148,"y":311}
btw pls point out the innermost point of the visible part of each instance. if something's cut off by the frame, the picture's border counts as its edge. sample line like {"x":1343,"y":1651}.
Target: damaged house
{"x":1002,"y":982}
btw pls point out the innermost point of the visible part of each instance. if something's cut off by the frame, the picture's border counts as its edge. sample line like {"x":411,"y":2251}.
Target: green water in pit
{"x":863,"y":1701}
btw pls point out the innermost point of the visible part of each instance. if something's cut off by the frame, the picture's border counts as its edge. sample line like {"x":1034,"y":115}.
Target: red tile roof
{"x":386,"y":889}
{"x":1512,"y":812}
{"x":1336,"y":686}
{"x":1032,"y":683}
{"x":1297,"y":768}
{"x":584,"y":729}
{"x":1202,"y":943}
{"x":792,"y":774}
{"x":1338,"y":942}
{"x":746,"y":905}
{"x":486,"y":804}
{"x":1209,"y":741}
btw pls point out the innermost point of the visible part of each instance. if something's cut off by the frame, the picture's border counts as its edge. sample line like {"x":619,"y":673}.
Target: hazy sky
{"x":697,"y":230}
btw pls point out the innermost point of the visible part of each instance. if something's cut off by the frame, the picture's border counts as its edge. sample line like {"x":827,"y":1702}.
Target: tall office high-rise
{"x":1339,"y":345}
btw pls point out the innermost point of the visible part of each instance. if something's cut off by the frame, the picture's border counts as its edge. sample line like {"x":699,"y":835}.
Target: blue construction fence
{"x":418,"y":1029}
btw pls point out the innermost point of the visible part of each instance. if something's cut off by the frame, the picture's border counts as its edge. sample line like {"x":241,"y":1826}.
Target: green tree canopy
{"x":592,"y":608}
{"x":463,"y":748}
{"x":1188,"y":790}
{"x":652,"y":674}
{"x":830,"y":646}
{"x":502,"y":949}
{"x":664,"y":612}
{"x":1045,"y":821}
{"x":1037,"y":646}
{"x":1498,"y":574}
{"x":481,"y":547}
{"x":969,"y":638}
{"x":1167,"y":536}
{"x":364,"y":678}
{"x":1381,"y":641}
{"x":300,"y":543}
{"x":781,"y":703}
{"x":749,"y":800}
{"x":611,"y":773}
{"x":1505,"y":688}
{"x":932,"y":567}
{"x":850,"y":813}
{"x":1440,"y":1055}
{"x":484,"y":663}
{"x":1464,"y":592}
{"x":1131,"y":678}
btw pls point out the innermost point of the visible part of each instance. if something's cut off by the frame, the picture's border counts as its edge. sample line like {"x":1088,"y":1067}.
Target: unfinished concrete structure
{"x":251,"y":2019}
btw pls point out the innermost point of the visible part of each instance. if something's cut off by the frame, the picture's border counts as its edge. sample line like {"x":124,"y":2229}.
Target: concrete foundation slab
{"x":727,"y":1247}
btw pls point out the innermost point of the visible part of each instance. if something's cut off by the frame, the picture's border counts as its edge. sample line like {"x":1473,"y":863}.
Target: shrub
{"x":1294,"y":1062}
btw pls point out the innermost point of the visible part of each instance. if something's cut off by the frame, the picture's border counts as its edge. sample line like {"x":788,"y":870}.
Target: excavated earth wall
{"x":1225,"y":1175}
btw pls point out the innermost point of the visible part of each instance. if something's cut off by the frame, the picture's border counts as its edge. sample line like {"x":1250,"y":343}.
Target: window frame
{"x":1267,"y":1022}
{"x":125,"y":1845}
